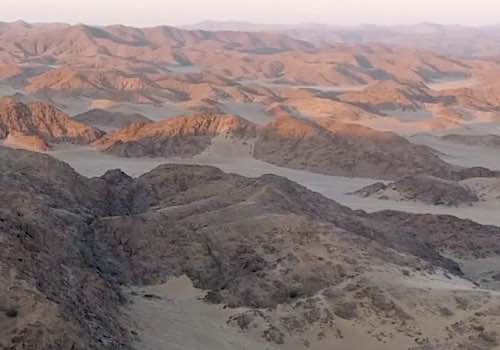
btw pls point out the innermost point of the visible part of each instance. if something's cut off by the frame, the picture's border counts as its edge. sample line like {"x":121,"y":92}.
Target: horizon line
{"x":243,"y":22}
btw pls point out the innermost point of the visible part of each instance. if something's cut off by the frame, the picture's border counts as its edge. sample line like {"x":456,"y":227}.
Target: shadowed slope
{"x":70,"y":241}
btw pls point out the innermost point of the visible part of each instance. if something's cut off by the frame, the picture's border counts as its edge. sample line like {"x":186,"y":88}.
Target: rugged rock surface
{"x":44,"y":121}
{"x":391,"y":95}
{"x":341,"y":149}
{"x":323,"y":146}
{"x":104,"y":119}
{"x":27,"y":142}
{"x":97,"y":83}
{"x":427,"y":36}
{"x":474,"y":172}
{"x":425,"y":189}
{"x":272,"y":55}
{"x":181,"y":136}
{"x":159,"y":64}
{"x":48,"y":277}
{"x":68,"y":242}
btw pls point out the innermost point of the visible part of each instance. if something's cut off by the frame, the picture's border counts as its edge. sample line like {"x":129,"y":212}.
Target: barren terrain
{"x":241,"y":186}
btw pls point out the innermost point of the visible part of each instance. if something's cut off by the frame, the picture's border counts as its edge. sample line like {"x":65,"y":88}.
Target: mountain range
{"x":243,"y":186}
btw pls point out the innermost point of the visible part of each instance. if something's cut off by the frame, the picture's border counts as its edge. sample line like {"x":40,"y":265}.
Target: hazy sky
{"x":175,"y":12}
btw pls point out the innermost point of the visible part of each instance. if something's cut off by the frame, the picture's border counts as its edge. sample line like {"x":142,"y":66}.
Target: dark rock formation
{"x":101,"y":118}
{"x":69,"y":243}
{"x":426,"y":189}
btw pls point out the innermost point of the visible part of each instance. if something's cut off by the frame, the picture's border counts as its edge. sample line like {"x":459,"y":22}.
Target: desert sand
{"x":164,"y":314}
{"x":254,"y":112}
{"x":284,"y":268}
{"x":175,"y":310}
{"x":451,"y":83}
{"x":462,"y":155}
{"x":234,"y":158}
{"x":6,"y":90}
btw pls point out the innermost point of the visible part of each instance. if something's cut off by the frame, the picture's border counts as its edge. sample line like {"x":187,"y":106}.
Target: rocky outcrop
{"x":44,"y":121}
{"x":104,"y":119}
{"x":469,"y":173}
{"x":58,"y":297}
{"x":68,"y":242}
{"x":182,"y":136}
{"x":97,"y":83}
{"x":26,"y":142}
{"x":391,"y":95}
{"x":425,"y":189}
{"x":334,"y":148}
{"x":322,"y":146}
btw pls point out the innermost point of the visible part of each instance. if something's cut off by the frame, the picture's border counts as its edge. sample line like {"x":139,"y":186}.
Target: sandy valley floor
{"x":164,"y":314}
{"x":234,"y":158}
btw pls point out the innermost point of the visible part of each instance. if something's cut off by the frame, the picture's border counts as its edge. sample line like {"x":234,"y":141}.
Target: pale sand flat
{"x":409,"y":116}
{"x":458,"y":154}
{"x":254,"y":112}
{"x":233,"y":157}
{"x":176,"y":310}
{"x":448,"y":84}
{"x":271,"y":83}
{"x":6,"y":90}
{"x":180,"y":320}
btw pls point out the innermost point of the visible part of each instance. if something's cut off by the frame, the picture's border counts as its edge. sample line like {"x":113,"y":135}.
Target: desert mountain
{"x":43,"y":121}
{"x":457,"y":40}
{"x":122,"y":59}
{"x":158,"y":44}
{"x":485,"y":97}
{"x":391,"y":95}
{"x":425,"y":189}
{"x":69,"y":242}
{"x":112,"y":84}
{"x":88,"y":262}
{"x":323,"y":146}
{"x":104,"y":119}
{"x":324,"y":107}
{"x":28,"y":142}
{"x":342,"y":149}
{"x":166,"y":71}
{"x":181,"y":136}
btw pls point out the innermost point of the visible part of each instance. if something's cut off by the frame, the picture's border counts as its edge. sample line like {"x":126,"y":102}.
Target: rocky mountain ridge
{"x":70,"y":242}
{"x":44,"y":121}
